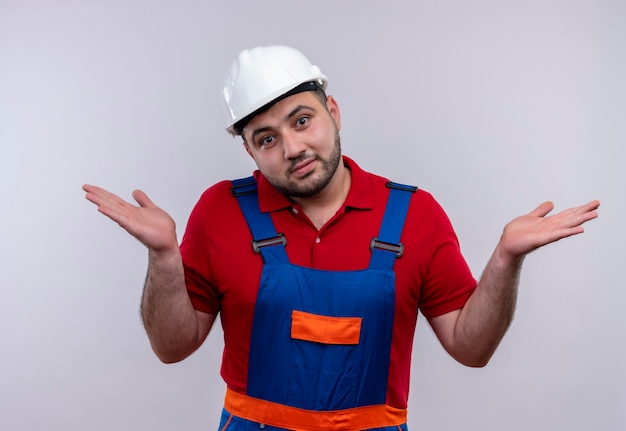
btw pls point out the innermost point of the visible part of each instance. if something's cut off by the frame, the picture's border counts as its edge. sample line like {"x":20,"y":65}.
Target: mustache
{"x":301,"y":158}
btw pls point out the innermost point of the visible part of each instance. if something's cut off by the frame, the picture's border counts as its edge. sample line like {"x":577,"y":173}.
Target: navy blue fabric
{"x":312,"y":375}
{"x":391,"y":226}
{"x":261,"y":226}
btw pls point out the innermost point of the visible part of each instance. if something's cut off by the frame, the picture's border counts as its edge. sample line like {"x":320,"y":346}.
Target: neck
{"x":323,"y":206}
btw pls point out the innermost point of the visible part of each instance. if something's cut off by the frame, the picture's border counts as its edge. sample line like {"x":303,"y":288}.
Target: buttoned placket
{"x":296,"y":211}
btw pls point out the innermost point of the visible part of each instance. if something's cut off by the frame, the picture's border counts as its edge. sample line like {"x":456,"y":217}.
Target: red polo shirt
{"x":222,"y":271}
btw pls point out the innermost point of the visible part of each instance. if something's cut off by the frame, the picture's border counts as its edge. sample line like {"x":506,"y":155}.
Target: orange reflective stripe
{"x":293,"y":418}
{"x":325,"y":329}
{"x":230,"y":418}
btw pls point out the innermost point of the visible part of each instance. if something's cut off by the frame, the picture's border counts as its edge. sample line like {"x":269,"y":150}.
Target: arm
{"x":472,"y":334}
{"x":174,"y":327}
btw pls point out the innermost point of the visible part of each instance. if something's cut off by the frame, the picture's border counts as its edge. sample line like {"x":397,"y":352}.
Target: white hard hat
{"x":263,"y":74}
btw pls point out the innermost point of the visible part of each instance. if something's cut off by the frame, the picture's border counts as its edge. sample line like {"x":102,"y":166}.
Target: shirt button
{"x":317,"y":240}
{"x":295,"y":210}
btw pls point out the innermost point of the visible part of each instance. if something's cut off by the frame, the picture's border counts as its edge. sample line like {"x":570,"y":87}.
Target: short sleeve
{"x":448,"y":281}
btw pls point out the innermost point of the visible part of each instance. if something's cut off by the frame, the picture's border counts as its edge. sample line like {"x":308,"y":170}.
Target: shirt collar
{"x":359,"y":196}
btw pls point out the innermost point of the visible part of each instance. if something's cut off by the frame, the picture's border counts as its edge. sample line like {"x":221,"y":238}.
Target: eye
{"x":266,"y":140}
{"x":302,"y":121}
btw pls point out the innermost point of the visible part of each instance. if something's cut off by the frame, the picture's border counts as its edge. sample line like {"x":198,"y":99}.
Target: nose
{"x":293,"y":145}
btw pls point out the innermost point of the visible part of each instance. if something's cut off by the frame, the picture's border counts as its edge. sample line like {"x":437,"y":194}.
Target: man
{"x":316,"y":267}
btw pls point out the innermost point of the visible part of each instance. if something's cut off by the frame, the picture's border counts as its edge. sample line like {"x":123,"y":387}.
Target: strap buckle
{"x":403,"y":187}
{"x":398,"y":249}
{"x":275,"y":240}
{"x":245,"y":186}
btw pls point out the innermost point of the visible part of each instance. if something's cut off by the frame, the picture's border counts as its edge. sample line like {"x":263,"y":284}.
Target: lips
{"x":303,"y":167}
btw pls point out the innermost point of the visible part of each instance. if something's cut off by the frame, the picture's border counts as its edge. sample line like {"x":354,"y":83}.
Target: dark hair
{"x":307,"y":86}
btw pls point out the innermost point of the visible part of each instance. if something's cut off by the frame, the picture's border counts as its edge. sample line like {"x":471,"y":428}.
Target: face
{"x":296,"y":145}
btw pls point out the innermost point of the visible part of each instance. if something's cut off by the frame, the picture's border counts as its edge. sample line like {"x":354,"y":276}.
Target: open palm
{"x":146,"y":222}
{"x":535,"y":229}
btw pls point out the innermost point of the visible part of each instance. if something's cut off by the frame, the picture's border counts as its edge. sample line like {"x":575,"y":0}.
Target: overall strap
{"x":265,"y":240}
{"x":386,"y":248}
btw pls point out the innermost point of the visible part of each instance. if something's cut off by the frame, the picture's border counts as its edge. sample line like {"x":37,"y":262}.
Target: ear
{"x":333,"y":109}
{"x":247,"y":147}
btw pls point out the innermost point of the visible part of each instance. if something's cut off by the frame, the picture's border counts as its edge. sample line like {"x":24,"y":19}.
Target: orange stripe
{"x":325,"y":329}
{"x":230,"y":418}
{"x":293,"y":418}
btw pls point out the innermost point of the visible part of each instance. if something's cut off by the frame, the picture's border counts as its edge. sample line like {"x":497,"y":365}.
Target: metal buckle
{"x":245,"y":188}
{"x":398,"y":186}
{"x":275,"y":240}
{"x":398,"y":249}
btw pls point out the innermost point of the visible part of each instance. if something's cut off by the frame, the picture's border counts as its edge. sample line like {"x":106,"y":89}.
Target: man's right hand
{"x":146,"y":222}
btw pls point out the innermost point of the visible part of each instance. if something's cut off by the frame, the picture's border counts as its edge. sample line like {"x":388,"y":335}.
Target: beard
{"x":328,"y":168}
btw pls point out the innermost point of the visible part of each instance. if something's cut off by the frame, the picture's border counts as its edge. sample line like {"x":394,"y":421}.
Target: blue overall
{"x":314,"y":375}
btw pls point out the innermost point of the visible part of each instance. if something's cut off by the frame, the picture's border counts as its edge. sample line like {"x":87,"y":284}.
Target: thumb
{"x":142,"y":199}
{"x":542,"y":210}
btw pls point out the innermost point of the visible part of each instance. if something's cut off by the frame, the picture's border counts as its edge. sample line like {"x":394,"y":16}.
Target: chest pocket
{"x":325,"y":329}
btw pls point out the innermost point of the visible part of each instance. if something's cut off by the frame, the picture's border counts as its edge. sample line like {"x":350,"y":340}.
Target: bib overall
{"x":321,"y":340}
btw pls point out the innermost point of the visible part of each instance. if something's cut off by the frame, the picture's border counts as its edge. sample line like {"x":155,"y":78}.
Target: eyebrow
{"x":295,"y":111}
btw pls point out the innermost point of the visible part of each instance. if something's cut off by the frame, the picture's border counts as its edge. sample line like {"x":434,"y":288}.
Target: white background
{"x":492,"y":106}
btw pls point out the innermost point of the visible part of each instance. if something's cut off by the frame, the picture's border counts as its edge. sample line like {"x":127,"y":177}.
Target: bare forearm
{"x":174,"y":328}
{"x":168,"y":316}
{"x":488,"y":313}
{"x":472,"y":334}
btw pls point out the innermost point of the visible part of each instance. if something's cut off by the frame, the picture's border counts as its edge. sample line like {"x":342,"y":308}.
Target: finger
{"x":108,"y":203}
{"x":142,"y":199}
{"x":97,"y":195}
{"x":591,"y":206}
{"x":588,"y":212}
{"x":581,"y":214}
{"x":542,"y":210}
{"x":90,"y":188}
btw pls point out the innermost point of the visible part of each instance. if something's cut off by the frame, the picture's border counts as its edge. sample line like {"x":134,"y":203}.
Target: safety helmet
{"x":263,"y":74}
